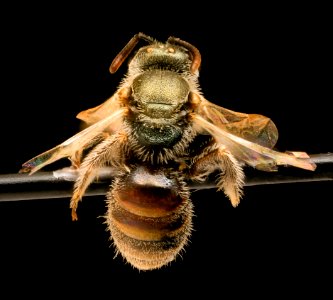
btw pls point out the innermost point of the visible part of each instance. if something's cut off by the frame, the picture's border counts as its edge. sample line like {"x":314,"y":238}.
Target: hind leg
{"x":231,"y":179}
{"x":110,"y":152}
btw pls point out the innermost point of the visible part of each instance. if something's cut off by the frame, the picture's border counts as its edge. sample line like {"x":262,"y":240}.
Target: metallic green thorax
{"x":160,"y":92}
{"x":160,"y":95}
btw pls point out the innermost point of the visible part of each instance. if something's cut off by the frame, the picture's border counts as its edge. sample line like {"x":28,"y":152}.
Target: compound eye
{"x":171,"y":50}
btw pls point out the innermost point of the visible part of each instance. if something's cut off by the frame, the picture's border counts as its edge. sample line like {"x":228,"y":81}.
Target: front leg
{"x":110,"y":151}
{"x":231,"y":178}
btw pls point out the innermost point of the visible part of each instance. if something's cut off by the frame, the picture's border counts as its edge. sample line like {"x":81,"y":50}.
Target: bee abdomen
{"x":149,"y":224}
{"x":149,"y":243}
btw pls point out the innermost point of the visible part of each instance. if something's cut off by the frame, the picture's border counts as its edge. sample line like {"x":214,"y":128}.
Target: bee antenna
{"x":125,"y":52}
{"x":196,"y":56}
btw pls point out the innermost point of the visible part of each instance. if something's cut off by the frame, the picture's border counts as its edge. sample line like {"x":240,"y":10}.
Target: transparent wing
{"x":252,"y":154}
{"x":76,"y":143}
{"x":252,"y":127}
{"x":114,"y":103}
{"x":95,"y":114}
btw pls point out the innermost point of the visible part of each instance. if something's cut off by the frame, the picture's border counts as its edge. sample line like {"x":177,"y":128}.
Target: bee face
{"x":158,"y":132}
{"x":162,"y":56}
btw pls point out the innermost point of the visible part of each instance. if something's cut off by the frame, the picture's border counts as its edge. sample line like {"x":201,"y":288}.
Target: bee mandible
{"x":159,"y":133}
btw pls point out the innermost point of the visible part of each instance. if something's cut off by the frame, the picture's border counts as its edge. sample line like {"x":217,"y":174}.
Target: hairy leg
{"x":108,"y":152}
{"x":231,"y":179}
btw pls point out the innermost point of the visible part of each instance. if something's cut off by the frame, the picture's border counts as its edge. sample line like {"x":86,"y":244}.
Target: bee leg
{"x":231,"y":179}
{"x":108,"y":152}
{"x":76,"y":159}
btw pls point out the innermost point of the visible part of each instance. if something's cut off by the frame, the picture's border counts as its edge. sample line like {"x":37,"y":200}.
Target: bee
{"x":159,"y":133}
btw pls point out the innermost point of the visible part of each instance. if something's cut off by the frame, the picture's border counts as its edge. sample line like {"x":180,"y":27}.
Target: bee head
{"x":176,"y":55}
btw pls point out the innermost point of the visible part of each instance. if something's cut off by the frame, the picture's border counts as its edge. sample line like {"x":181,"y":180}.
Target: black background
{"x":55,"y":65}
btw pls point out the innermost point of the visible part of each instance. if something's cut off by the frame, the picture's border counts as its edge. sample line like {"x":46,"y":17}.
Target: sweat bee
{"x":159,"y":133}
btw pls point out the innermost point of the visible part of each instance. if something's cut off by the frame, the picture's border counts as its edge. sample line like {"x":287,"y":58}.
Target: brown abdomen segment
{"x":149,"y":217}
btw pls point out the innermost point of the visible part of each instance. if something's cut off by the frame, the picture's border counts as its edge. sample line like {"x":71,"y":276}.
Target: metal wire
{"x":59,"y":184}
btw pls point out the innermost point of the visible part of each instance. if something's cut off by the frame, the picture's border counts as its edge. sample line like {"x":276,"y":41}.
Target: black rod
{"x":59,"y":184}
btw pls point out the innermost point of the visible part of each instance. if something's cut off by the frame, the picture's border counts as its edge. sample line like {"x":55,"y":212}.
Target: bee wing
{"x":253,"y":154}
{"x":252,"y":127}
{"x":114,"y":103}
{"x":95,"y":114}
{"x":75,"y":144}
